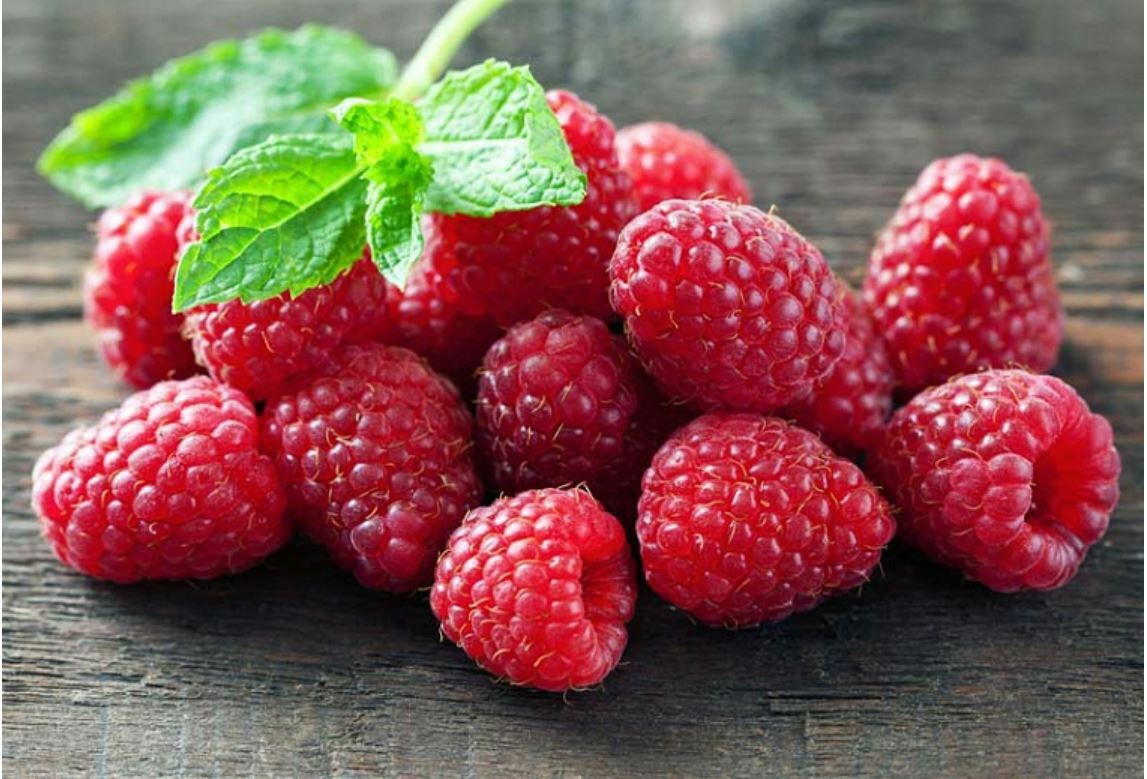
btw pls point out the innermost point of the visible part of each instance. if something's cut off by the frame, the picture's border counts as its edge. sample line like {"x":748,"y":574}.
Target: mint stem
{"x":440,"y":46}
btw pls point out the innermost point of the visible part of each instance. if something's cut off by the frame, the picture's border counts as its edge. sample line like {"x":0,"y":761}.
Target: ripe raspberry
{"x":561,"y":402}
{"x":1006,"y":475}
{"x":518,"y":263}
{"x":666,"y":162}
{"x":537,"y":589}
{"x":169,"y":485}
{"x":430,"y":320}
{"x":746,"y":519}
{"x":849,"y":406}
{"x":961,"y":280}
{"x":726,"y":306}
{"x":257,"y":347}
{"x":375,"y":455}
{"x":128,"y":289}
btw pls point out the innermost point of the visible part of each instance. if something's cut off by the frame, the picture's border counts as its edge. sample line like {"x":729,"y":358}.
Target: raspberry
{"x":746,"y":519}
{"x":375,"y":454}
{"x":961,"y":280}
{"x":430,"y":320}
{"x":1005,"y":474}
{"x":257,"y":347}
{"x":666,"y":161}
{"x":849,"y":406}
{"x":128,"y":289}
{"x":537,"y":589}
{"x":169,"y":485}
{"x":516,"y":264}
{"x":560,"y":402}
{"x":726,"y":306}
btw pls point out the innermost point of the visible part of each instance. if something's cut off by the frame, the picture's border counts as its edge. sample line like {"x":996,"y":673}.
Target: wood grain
{"x":830,"y":107}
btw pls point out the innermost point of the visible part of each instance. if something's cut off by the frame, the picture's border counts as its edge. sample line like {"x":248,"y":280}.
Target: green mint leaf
{"x":495,"y":145}
{"x":386,"y":134}
{"x":394,"y":229}
{"x":283,"y":215}
{"x":166,"y":130}
{"x":381,"y":127}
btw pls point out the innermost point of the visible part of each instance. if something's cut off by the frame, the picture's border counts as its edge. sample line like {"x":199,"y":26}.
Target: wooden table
{"x":831,"y":108}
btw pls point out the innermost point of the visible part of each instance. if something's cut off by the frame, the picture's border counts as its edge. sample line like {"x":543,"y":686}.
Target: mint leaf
{"x":386,"y":134}
{"x":166,"y":130}
{"x":381,"y":128}
{"x":394,"y":230}
{"x":495,"y":145}
{"x":283,"y":215}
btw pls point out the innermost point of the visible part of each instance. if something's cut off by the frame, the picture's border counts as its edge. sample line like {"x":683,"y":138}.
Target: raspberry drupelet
{"x":517,"y":264}
{"x":960,"y":278}
{"x":538,"y":588}
{"x":562,"y":402}
{"x":727,"y":307}
{"x":170,"y":485}
{"x":746,"y":519}
{"x":1006,"y":475}
{"x":128,"y":290}
{"x":375,"y":455}
{"x":665,"y":161}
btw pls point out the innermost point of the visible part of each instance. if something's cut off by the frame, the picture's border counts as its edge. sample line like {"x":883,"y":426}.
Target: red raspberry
{"x":257,"y":347}
{"x":666,"y":161}
{"x":961,"y":279}
{"x":430,"y":320}
{"x":849,"y":406}
{"x":518,"y":263}
{"x":169,"y":485}
{"x":537,"y":589}
{"x":1006,"y":475}
{"x":561,"y":402}
{"x":726,"y":306}
{"x":128,"y":289}
{"x":375,"y":454}
{"x":746,"y":519}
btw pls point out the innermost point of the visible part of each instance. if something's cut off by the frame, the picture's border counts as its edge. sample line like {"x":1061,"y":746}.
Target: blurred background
{"x":831,"y":108}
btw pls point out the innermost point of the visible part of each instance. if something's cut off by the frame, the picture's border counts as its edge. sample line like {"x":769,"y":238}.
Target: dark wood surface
{"x":831,"y":108}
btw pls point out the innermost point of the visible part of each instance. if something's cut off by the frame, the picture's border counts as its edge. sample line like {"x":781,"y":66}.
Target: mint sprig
{"x":283,"y":215}
{"x":308,"y":148}
{"x":166,"y":130}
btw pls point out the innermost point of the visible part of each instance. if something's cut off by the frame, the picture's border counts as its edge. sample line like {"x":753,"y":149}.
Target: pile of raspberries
{"x":662,"y":379}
